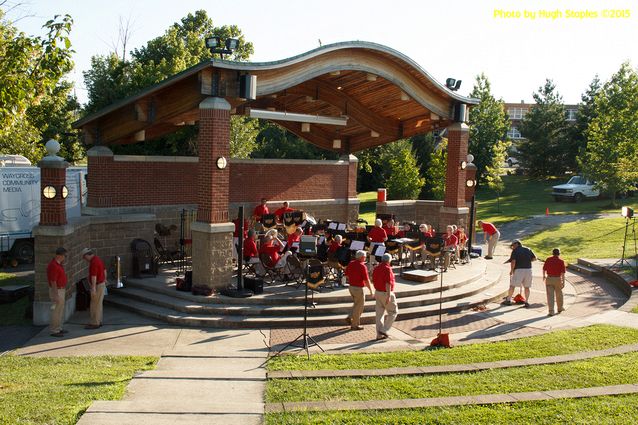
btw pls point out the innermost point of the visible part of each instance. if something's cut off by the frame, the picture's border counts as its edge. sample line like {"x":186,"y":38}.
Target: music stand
{"x":314,"y":278}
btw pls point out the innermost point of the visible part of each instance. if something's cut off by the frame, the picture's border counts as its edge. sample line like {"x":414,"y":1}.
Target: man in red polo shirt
{"x":386,"y":300}
{"x":283,"y":210}
{"x":357,"y":275}
{"x":97,"y":281}
{"x":57,"y":280}
{"x":260,"y":210}
{"x":554,"y":278}
{"x":376,"y":236}
{"x":491,"y":236}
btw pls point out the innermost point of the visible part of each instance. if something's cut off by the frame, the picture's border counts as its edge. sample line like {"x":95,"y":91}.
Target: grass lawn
{"x":589,"y":338}
{"x":597,"y":238}
{"x":611,"y":370}
{"x":13,"y":313}
{"x":524,"y":197}
{"x":368,"y":206}
{"x":596,"y":410}
{"x":57,"y":390}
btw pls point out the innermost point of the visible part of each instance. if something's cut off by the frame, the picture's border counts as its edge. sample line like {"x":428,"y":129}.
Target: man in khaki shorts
{"x":520,"y":270}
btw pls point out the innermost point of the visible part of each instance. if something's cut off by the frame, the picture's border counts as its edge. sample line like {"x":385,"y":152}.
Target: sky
{"x":516,"y":43}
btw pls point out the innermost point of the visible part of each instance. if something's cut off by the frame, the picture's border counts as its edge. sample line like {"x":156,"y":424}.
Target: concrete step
{"x":294,"y":306}
{"x":487,"y":293}
{"x":591,"y":265}
{"x":586,"y":270}
{"x":290,"y":293}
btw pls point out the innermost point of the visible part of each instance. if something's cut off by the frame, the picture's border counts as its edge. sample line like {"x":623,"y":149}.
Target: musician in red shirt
{"x":357,"y":275}
{"x":450,"y":245}
{"x":251,"y":254}
{"x":491,"y":236}
{"x":376,"y":236}
{"x":56,"y":277}
{"x":390,"y":228}
{"x":260,"y":210}
{"x":97,"y":281}
{"x":386,"y":301}
{"x":283,"y":210}
{"x":236,"y":235}
{"x":554,"y":278}
{"x":294,"y":239}
{"x":335,"y":245}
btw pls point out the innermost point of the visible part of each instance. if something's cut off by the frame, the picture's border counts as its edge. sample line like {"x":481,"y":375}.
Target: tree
{"x":545,"y":152}
{"x":424,"y":146}
{"x":402,"y":178}
{"x":585,"y":114}
{"x":612,"y":134}
{"x":31,"y":89}
{"x":438,"y":167}
{"x":275,"y":142}
{"x":182,"y":45}
{"x":488,"y":126}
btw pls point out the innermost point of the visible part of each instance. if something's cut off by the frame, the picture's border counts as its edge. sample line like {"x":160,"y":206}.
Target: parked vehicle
{"x":577,"y":189}
{"x":20,"y":207}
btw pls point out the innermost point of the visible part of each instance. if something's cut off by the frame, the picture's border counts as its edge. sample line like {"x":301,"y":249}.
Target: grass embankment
{"x":525,"y":197}
{"x":590,"y":338}
{"x":49,"y":390}
{"x":598,"y":410}
{"x":596,"y":238}
{"x":13,"y":313}
{"x":368,"y":206}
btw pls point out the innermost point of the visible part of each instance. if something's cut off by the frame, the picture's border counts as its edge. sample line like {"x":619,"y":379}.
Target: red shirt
{"x":377,"y":234}
{"x":96,"y":268}
{"x":390,"y":230}
{"x":236,"y":232}
{"x":488,"y":228}
{"x":554,"y":266}
{"x":292,"y":238}
{"x":462,"y":238}
{"x":381,"y":275}
{"x":250,"y":248}
{"x":272,"y":251}
{"x":55,"y":273}
{"x":451,"y":240}
{"x":334,"y":246}
{"x":357,"y":273}
{"x":281,"y":211}
{"x":260,"y":210}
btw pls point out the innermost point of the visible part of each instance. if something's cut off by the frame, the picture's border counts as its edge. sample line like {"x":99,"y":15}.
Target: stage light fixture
{"x":627,"y":212}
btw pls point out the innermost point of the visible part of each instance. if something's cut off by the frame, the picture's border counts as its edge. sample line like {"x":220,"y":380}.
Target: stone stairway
{"x":282,"y":306}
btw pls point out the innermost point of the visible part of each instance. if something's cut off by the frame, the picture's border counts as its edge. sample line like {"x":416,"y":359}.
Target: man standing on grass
{"x":56,"y":277}
{"x":520,"y":270}
{"x":491,"y":236}
{"x":97,"y":281}
{"x":554,"y":278}
{"x":383,"y":279}
{"x":357,"y":275}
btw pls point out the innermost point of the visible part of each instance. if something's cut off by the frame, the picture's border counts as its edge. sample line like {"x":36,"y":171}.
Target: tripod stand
{"x":303,"y":341}
{"x":623,"y":261}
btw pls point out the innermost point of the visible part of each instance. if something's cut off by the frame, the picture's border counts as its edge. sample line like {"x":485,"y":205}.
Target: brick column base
{"x":212,"y":262}
{"x":451,"y":215}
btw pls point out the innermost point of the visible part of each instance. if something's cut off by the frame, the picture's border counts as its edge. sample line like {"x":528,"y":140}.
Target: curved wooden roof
{"x":385,"y":95}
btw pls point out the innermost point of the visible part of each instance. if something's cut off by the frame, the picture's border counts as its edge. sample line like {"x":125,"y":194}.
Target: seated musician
{"x":271,"y":247}
{"x":283,"y":210}
{"x":450,"y":245}
{"x":376,"y":236}
{"x":251,"y":254}
{"x":335,"y":245}
{"x":260,"y":210}
{"x":462,"y":247}
{"x":390,"y":229}
{"x":294,"y":239}
{"x":236,"y":235}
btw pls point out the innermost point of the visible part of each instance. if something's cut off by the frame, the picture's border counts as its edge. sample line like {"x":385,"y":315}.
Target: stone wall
{"x":424,"y":211}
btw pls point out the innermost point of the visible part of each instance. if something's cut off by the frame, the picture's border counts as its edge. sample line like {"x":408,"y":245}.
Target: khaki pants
{"x":392,"y":309}
{"x":96,"y":304}
{"x":491,"y":243}
{"x":58,"y":297}
{"x":357,"y":308}
{"x":553,"y":286}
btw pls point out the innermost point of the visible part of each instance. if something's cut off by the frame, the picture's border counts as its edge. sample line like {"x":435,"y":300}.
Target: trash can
{"x":144,"y":262}
{"x":381,"y":195}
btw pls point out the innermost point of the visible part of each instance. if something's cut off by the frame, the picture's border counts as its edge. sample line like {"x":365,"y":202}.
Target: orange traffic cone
{"x":547,"y":211}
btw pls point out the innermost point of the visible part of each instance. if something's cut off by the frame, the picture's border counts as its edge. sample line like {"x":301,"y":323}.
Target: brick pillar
{"x":454,"y":210}
{"x":99,"y":184}
{"x":212,"y":233}
{"x":470,"y":174}
{"x":350,"y":189}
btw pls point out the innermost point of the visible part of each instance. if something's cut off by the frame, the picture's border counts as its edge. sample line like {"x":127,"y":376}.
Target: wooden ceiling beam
{"x":317,"y":138}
